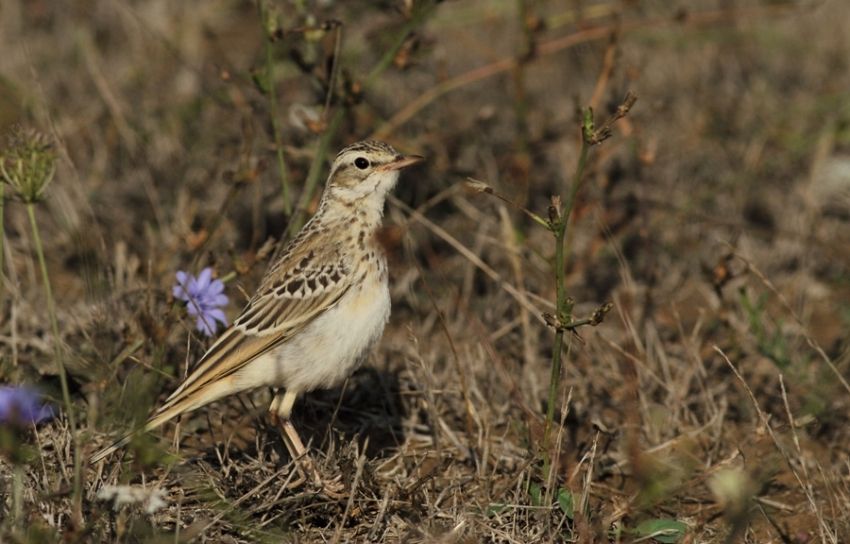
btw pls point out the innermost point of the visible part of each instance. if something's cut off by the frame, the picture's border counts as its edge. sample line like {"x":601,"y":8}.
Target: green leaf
{"x":496,"y":508}
{"x":261,"y":80}
{"x":565,"y":501}
{"x":666,"y":531}
{"x":536,"y":494}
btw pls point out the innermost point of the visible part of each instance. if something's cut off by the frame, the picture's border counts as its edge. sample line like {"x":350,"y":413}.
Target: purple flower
{"x":21,"y":406}
{"x":204,"y":298}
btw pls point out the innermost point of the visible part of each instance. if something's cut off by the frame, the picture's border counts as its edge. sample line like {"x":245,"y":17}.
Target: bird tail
{"x":162,"y":415}
{"x":179,"y":403}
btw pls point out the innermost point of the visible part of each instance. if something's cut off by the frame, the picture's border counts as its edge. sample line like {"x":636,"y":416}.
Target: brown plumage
{"x":319,"y":307}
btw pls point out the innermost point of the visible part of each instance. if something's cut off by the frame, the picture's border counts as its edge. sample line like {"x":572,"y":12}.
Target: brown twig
{"x":826,"y":532}
{"x":559,"y":44}
{"x":517,"y":294}
{"x":361,"y":462}
{"x":605,"y":73}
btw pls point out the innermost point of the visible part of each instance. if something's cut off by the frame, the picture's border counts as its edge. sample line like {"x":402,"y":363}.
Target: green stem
{"x":563,"y":305}
{"x":228,"y":277}
{"x":17,"y":494}
{"x":278,"y":142}
{"x":2,"y":234}
{"x":578,"y":176}
{"x":416,"y":19}
{"x":60,"y":365}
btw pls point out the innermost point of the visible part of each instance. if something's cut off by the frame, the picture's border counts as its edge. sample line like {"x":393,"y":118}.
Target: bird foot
{"x":332,"y":488}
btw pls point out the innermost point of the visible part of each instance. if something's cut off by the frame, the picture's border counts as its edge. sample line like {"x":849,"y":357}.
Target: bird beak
{"x":403,"y":161}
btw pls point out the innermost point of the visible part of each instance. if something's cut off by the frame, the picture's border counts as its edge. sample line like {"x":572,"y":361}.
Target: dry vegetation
{"x":715,"y":219}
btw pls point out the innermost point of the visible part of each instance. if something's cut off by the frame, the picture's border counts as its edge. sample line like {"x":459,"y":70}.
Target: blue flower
{"x":22,"y":406}
{"x":204,"y":298}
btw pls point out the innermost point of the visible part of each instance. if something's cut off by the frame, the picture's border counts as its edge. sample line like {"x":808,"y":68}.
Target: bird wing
{"x":305,"y":282}
{"x":298,"y":287}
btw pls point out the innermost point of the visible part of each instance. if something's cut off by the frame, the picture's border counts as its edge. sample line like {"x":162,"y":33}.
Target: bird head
{"x":366,"y":171}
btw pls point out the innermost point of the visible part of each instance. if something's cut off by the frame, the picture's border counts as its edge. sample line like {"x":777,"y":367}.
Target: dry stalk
{"x":826,"y":533}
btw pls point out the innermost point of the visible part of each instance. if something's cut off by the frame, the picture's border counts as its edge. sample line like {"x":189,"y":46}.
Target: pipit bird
{"x":319,"y":308}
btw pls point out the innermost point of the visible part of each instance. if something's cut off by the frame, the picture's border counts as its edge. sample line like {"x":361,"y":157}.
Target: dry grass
{"x":715,"y":220}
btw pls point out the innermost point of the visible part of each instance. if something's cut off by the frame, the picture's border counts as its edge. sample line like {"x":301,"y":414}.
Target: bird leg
{"x":280,"y":411}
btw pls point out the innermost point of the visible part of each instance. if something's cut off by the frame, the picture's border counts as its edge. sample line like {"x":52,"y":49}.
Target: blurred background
{"x":711,"y":405}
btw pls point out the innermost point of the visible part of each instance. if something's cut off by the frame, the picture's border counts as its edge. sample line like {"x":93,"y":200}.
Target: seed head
{"x":27,"y":163}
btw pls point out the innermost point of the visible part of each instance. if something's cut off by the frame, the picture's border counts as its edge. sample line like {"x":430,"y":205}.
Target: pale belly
{"x":330,"y":349}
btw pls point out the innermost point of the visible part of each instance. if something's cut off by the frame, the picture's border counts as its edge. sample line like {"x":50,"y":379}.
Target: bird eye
{"x":361,"y":163}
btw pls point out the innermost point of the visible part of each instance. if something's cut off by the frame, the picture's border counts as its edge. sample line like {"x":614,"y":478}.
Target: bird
{"x":319,"y":309}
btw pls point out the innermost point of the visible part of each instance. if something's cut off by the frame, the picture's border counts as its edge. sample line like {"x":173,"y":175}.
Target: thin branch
{"x":559,"y":44}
